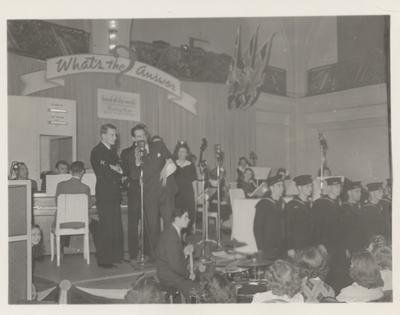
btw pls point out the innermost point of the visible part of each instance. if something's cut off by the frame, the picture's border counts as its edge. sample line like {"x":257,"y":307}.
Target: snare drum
{"x":246,"y":291}
{"x":235,"y":274}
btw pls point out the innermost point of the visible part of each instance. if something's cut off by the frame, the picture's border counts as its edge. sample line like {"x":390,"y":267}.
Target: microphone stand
{"x":218,"y":227}
{"x":205,"y":238}
{"x":141,"y":255}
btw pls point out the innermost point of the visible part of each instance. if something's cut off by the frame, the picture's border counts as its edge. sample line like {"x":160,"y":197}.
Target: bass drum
{"x":246,"y":291}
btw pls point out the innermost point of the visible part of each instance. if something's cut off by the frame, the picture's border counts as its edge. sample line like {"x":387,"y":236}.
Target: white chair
{"x":236,"y":193}
{"x":72,"y":218}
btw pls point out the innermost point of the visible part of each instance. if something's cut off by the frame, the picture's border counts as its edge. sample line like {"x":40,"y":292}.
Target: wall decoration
{"x":118,"y":105}
{"x":58,"y":67}
{"x":191,"y":63}
{"x":346,"y":75}
{"x":43,"y":40}
{"x":247,"y":72}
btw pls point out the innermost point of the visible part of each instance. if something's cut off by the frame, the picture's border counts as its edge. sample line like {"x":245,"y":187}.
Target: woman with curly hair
{"x":284,"y":282}
{"x":367,"y":279}
{"x":218,"y":289}
{"x":383,"y":257}
{"x":145,"y":290}
{"x":313,"y":265}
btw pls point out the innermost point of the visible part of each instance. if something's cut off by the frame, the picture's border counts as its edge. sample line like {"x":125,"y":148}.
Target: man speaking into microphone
{"x":159,"y":189}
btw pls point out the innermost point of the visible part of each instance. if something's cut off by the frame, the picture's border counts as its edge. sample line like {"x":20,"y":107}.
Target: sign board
{"x":118,"y":105}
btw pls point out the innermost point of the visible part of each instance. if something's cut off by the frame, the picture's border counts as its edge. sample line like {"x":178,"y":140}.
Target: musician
{"x":373,"y":220}
{"x":386,"y":203}
{"x":172,"y":269}
{"x":159,"y":188}
{"x":186,"y":180}
{"x":242,"y":165}
{"x":108,"y":172}
{"x":351,"y":216}
{"x":298,"y":215}
{"x":269,"y":221}
{"x":248,"y":184}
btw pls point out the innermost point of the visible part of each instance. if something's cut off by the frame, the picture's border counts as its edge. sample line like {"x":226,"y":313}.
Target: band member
{"x":269,"y":222}
{"x":186,"y":180}
{"x":327,"y":229}
{"x":373,"y":221}
{"x":386,"y":203}
{"x":298,"y":215}
{"x":172,"y":268}
{"x":248,"y":184}
{"x":73,"y":186}
{"x":351,"y":216}
{"x":108,"y":172}
{"x":159,"y":188}
{"x":242,"y":165}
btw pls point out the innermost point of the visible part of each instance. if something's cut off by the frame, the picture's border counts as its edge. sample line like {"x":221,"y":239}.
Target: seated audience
{"x":146,"y":290}
{"x":73,"y":186}
{"x":248,"y":184}
{"x":383,"y":257}
{"x":218,"y":289}
{"x":284,"y":282}
{"x":367,"y":279}
{"x":375,"y":242}
{"x":313,"y":265}
{"x":171,"y":256}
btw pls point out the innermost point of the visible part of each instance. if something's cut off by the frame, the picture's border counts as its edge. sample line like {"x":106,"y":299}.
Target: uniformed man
{"x":327,"y":230}
{"x":351,"y":216}
{"x":104,"y":160}
{"x":269,"y":221}
{"x":298,"y":215}
{"x":373,"y":222}
{"x":159,"y":188}
{"x":386,"y":203}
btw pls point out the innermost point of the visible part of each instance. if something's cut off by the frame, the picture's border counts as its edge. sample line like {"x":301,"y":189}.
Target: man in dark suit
{"x":170,"y":254}
{"x":159,"y":188}
{"x":386,"y":203}
{"x":269,"y":221}
{"x":373,"y":219}
{"x":298,"y":215}
{"x":73,"y":186}
{"x":104,"y":161}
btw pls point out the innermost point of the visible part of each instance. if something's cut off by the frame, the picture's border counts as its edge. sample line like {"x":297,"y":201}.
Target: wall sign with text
{"x":119,"y":105}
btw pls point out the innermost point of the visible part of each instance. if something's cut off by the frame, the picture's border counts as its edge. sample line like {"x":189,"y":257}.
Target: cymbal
{"x":233,"y":243}
{"x":255,"y":263}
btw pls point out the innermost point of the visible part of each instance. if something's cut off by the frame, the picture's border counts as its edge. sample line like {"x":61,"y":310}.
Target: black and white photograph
{"x":199,"y":159}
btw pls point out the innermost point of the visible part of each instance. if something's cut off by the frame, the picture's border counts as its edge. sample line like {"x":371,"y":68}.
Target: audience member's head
{"x":375,"y":242}
{"x":37,"y":242}
{"x":383,"y":257}
{"x":62,"y":167}
{"x":365,"y":271}
{"x":248,"y":174}
{"x":312,"y":262}
{"x":108,"y":134}
{"x":218,"y":289}
{"x":180,"y":218}
{"x":145,"y":290}
{"x":182,"y":151}
{"x":243,"y":162}
{"x":77,"y":169}
{"x":283,"y":278}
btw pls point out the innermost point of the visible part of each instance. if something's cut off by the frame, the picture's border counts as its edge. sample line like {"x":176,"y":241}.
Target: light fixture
{"x":57,"y":110}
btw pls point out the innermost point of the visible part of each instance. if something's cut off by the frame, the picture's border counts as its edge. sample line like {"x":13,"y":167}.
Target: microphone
{"x":218,"y":152}
{"x":141,"y":144}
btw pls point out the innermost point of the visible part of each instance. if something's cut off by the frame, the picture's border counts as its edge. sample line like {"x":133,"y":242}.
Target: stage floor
{"x":74,"y":268}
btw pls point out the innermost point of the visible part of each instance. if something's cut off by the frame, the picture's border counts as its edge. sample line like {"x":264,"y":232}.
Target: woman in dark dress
{"x":186,"y":177}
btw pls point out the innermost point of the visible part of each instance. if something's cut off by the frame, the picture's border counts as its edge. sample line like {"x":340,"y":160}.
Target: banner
{"x":62,"y":66}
